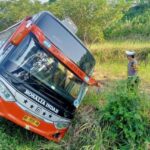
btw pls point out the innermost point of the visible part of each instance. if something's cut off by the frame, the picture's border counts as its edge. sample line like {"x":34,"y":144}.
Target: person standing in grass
{"x":133,"y":78}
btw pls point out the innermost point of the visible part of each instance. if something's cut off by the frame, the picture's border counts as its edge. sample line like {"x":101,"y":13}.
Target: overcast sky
{"x":43,"y":1}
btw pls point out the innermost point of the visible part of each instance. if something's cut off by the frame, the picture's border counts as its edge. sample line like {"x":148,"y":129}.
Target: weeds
{"x":108,"y":119}
{"x":113,"y":119}
{"x":128,"y":127}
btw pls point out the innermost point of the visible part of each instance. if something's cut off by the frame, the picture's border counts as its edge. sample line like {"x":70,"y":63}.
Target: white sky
{"x":43,"y":1}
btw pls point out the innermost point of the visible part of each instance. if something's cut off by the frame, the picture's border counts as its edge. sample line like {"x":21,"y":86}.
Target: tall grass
{"x":111,"y":61}
{"x":115,"y":51}
{"x":104,"y":121}
{"x":135,"y":45}
{"x":127,"y":117}
{"x":108,"y":119}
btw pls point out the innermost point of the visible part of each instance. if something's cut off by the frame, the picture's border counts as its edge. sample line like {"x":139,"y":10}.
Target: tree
{"x":52,"y":1}
{"x":91,"y":17}
{"x":15,"y":10}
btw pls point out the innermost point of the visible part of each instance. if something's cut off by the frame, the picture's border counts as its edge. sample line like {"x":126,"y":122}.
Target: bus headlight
{"x":61,"y":124}
{"x":5,"y":93}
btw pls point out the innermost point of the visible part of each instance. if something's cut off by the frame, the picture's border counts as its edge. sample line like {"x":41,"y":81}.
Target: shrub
{"x":123,"y":114}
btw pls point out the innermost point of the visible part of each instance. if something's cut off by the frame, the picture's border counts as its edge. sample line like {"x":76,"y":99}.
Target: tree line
{"x":97,"y":20}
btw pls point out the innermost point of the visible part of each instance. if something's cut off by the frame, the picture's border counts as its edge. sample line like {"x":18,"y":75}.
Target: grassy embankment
{"x":112,"y":62}
{"x":106,"y":119}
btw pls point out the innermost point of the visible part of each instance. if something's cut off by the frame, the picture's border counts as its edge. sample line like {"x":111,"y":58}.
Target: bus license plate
{"x":31,"y":120}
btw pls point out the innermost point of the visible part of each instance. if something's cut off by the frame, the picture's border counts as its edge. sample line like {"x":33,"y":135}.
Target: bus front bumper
{"x":12,"y":112}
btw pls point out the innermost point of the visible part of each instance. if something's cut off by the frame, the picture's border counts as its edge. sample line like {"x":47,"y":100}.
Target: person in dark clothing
{"x":133,"y":78}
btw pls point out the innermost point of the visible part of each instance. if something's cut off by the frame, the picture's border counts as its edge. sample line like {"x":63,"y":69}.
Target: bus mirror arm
{"x":94,"y":82}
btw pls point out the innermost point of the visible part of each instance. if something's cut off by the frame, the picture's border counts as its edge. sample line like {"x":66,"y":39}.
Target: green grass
{"x":112,"y":62}
{"x":116,"y":70}
{"x":121,"y":45}
{"x":85,"y":132}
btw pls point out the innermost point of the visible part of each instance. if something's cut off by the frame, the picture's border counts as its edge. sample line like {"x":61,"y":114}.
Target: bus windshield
{"x":66,"y":42}
{"x":30,"y":60}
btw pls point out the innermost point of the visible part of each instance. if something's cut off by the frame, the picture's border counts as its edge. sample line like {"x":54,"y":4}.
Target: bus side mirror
{"x":69,"y":24}
{"x":21,"y":32}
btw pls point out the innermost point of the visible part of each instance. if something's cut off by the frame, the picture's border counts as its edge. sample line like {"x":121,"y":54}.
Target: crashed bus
{"x":45,"y":71}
